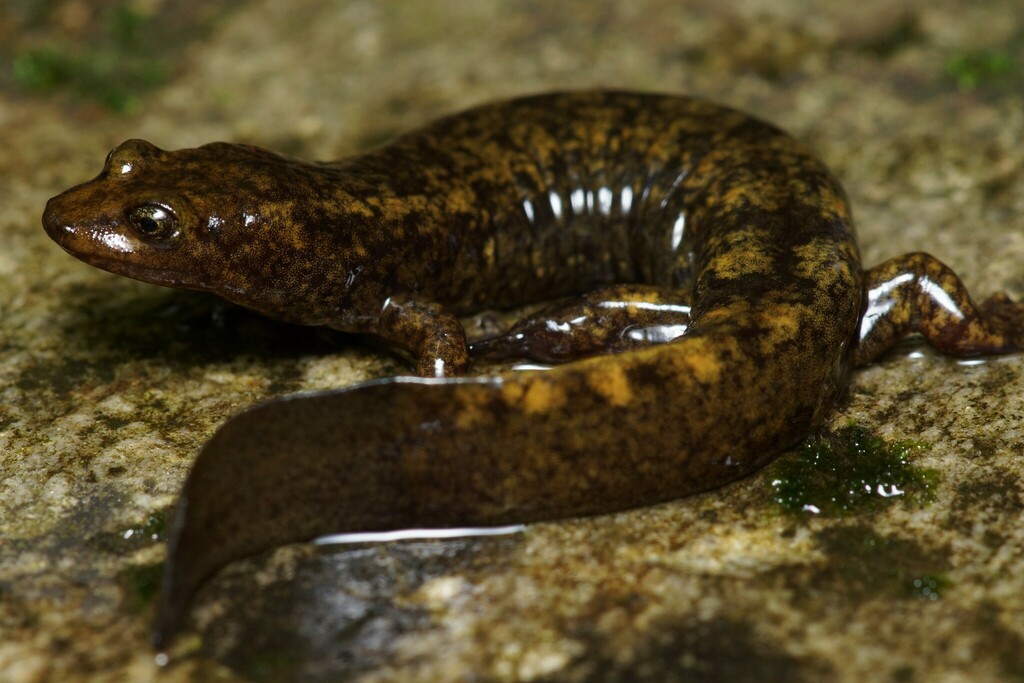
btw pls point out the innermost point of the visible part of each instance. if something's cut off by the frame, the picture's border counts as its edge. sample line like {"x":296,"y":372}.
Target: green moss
{"x":847,"y":472}
{"x":271,"y":665}
{"x":970,"y":70}
{"x":689,"y":648}
{"x":927,"y":586}
{"x":863,"y":564}
{"x":121,"y":67}
{"x":141,"y":585}
{"x":151,"y":530}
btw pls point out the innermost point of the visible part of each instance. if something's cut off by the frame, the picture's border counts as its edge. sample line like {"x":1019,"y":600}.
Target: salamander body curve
{"x":713,"y":255}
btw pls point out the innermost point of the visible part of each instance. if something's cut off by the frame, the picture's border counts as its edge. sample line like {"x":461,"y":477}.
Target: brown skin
{"x":664,"y":202}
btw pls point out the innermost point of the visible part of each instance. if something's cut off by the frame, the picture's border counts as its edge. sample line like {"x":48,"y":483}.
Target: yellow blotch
{"x":360,"y":251}
{"x":397,"y":208}
{"x":734,"y":195}
{"x":706,"y":367}
{"x":470,"y":413}
{"x":611,"y":382}
{"x":833,"y":202}
{"x":459,"y":199}
{"x":809,"y":257}
{"x":511,"y":392}
{"x":742,"y":260}
{"x":812,"y":258}
{"x":701,"y":358}
{"x":361,"y":208}
{"x":536,"y":395}
{"x":783,"y":320}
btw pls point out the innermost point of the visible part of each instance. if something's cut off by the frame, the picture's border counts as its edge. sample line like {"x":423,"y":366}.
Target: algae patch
{"x":112,"y":53}
{"x":151,"y":530}
{"x":690,"y":648}
{"x":971,"y":70}
{"x":113,"y":74}
{"x":140,"y":584}
{"x":929,"y":587}
{"x":850,"y":471}
{"x":865,"y":564}
{"x":271,"y":665}
{"x":123,"y":541}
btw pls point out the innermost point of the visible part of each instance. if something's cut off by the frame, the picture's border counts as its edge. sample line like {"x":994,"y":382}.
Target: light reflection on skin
{"x":646,"y":306}
{"x":418,"y":534}
{"x":677,"y":231}
{"x":656,"y":334}
{"x":556,"y":204}
{"x":528,"y":210}
{"x":576,"y":199}
{"x":672,"y":190}
{"x":881,"y":301}
{"x":583,"y":201}
{"x":115,"y":242}
{"x":651,"y":334}
{"x":652,"y":323}
{"x":939,"y":295}
{"x":884,"y":297}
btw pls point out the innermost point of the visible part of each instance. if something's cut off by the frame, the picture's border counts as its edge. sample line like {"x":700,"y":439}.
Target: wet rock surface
{"x":108,"y":387}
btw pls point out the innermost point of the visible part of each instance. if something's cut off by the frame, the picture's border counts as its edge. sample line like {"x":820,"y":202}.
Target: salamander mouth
{"x":151,"y":274}
{"x":124,"y":263}
{"x":114,"y":251}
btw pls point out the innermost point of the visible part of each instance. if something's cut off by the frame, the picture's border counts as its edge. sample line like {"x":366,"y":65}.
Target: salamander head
{"x":231,"y":219}
{"x":122,"y":222}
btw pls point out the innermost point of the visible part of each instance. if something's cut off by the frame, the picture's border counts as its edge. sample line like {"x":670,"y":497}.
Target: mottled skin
{"x":663,"y":201}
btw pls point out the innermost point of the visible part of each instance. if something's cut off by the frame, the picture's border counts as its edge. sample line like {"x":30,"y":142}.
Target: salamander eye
{"x":154,"y":222}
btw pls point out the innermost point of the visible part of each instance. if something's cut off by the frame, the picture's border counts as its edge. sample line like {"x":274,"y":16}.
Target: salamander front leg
{"x":427,"y":330}
{"x":608,"y":320}
{"x":919,"y":293}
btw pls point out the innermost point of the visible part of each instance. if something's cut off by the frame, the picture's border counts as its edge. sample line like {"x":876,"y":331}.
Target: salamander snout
{"x":72,"y":227}
{"x":55,"y":221}
{"x":84,"y":227}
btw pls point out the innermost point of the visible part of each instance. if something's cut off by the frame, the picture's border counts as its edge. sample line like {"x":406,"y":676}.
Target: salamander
{"x":710,"y":304}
